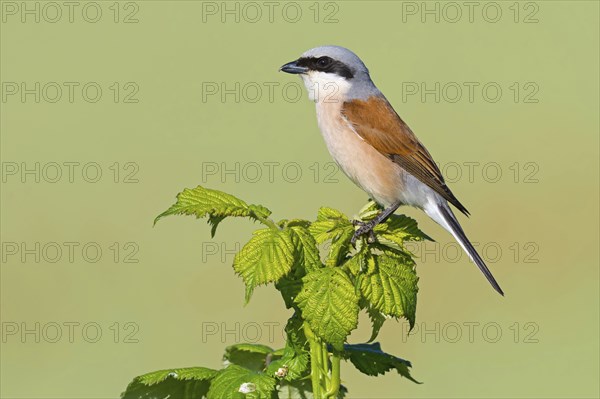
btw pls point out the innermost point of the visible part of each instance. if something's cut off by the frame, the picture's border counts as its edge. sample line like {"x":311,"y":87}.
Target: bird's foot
{"x":364,"y":228}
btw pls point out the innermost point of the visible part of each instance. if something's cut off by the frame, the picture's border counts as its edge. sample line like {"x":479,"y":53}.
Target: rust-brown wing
{"x":379,"y":125}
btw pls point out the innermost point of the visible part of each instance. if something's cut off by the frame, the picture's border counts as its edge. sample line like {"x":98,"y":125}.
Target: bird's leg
{"x":367,"y":227}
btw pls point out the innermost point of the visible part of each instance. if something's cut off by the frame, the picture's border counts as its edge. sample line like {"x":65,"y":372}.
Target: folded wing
{"x":379,"y":125}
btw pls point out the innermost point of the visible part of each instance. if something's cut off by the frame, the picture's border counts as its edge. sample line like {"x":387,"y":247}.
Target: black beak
{"x":293,"y":67}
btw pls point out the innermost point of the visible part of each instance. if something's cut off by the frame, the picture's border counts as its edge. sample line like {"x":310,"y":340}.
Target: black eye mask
{"x":326,"y":64}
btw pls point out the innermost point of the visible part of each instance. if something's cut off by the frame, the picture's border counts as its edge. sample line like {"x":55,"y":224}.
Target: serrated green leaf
{"x":227,"y":383}
{"x":377,"y":321}
{"x":289,"y":286}
{"x":259,"y":210}
{"x":267,"y":257}
{"x":214,"y":223}
{"x":184,"y":383}
{"x":371,"y":360}
{"x":306,"y":258}
{"x":392,"y":288}
{"x":329,"y":304}
{"x":328,"y":225}
{"x":295,"y":390}
{"x":168,"y":389}
{"x":188,"y":373}
{"x":297,"y":222}
{"x":400,"y":228}
{"x":294,"y":364}
{"x":250,"y":356}
{"x":340,"y":247}
{"x":400,"y":254}
{"x":369,"y":211}
{"x":306,"y":250}
{"x":302,"y":390}
{"x":334,"y":226}
{"x":215,"y":204}
{"x":361,"y":262}
{"x":326,"y":213}
{"x":295,"y":334}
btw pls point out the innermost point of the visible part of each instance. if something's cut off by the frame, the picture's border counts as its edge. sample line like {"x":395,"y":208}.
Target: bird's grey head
{"x":332,"y":73}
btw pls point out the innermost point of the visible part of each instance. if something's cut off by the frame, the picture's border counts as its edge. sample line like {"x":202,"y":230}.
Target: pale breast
{"x":381,"y":178}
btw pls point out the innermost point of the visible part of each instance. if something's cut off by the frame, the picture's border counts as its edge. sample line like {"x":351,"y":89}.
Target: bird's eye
{"x":323,"y":62}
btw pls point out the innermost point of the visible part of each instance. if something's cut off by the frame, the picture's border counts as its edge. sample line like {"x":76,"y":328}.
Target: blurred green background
{"x":537,"y":220}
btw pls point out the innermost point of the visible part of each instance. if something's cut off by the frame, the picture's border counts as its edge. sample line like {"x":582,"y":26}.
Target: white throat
{"x":325,"y":87}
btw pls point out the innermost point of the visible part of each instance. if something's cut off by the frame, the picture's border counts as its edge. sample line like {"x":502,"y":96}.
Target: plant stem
{"x":334,"y":386}
{"x":268,"y":222}
{"x":323,"y":385}
{"x":315,"y":366}
{"x":325,"y":363}
{"x":319,"y":359}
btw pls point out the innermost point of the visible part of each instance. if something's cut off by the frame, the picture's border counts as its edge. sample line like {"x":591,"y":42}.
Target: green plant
{"x":326,"y":295}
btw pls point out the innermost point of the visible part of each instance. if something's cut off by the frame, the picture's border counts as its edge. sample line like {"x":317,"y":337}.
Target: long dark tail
{"x":449,"y":222}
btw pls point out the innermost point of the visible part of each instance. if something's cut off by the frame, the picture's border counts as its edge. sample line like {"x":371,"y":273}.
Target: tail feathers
{"x":443,"y":215}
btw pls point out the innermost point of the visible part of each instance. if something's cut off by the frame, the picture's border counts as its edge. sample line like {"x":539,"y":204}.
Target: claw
{"x":371,"y":238}
{"x":367,"y":227}
{"x":364,"y":228}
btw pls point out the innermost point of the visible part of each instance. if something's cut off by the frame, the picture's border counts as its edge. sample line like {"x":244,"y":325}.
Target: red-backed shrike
{"x":373,"y":146}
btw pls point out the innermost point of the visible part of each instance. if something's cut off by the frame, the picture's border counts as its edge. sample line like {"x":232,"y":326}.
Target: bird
{"x":374,"y":147}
